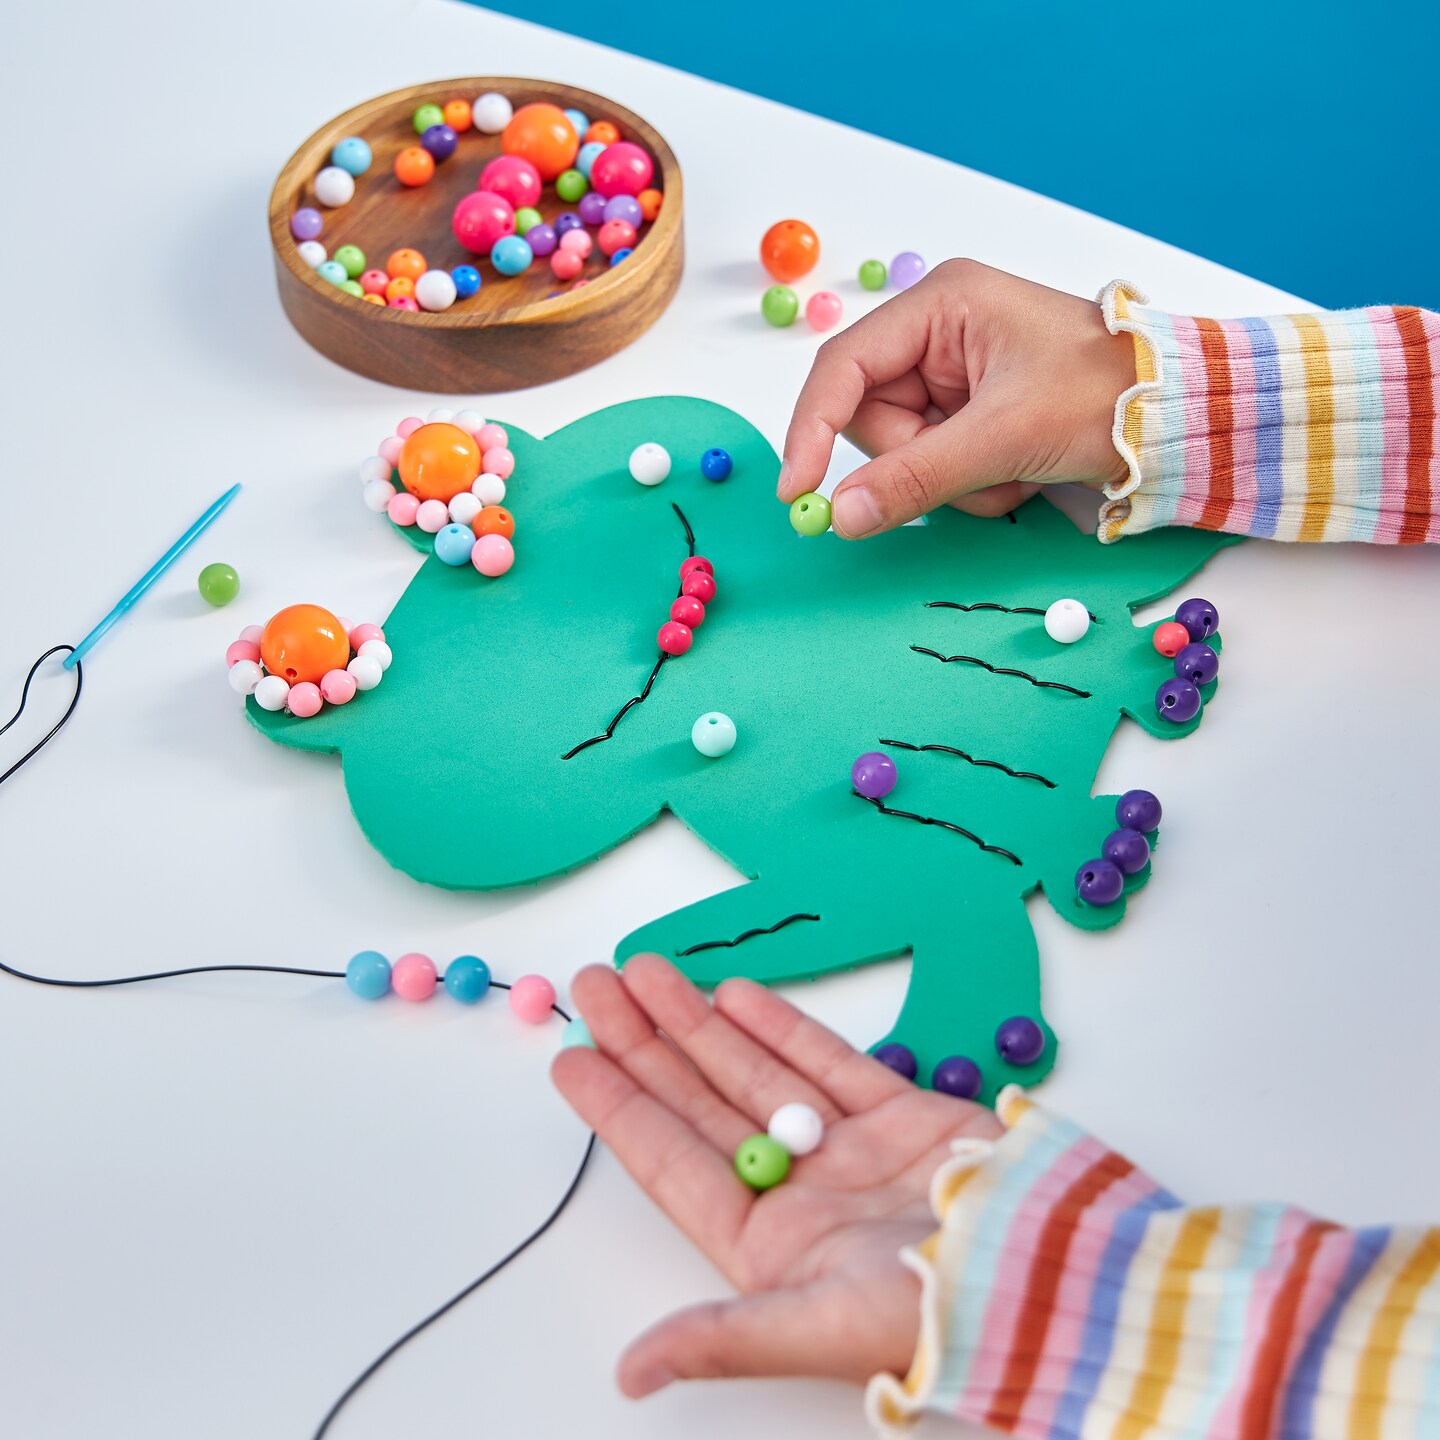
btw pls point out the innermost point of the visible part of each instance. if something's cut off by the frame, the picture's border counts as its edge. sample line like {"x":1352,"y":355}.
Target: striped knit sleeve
{"x":1068,"y":1296}
{"x":1293,"y":427}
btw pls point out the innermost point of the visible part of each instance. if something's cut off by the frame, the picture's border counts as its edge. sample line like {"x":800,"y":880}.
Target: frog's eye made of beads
{"x":305,"y":658}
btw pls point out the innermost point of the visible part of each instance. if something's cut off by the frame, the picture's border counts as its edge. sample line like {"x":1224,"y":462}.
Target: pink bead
{"x":621,"y":169}
{"x":361,"y":633}
{"x":567,"y":264}
{"x":700,"y":585}
{"x":615,"y":235}
{"x":531,"y":997}
{"x":696,"y":562}
{"x":491,"y":436}
{"x":305,"y":699}
{"x":373,"y":282}
{"x":413,"y":977}
{"x":338,"y":687}
{"x":498,"y":461}
{"x":675,"y":638}
{"x":407,"y":427}
{"x":403,"y":302}
{"x":242,"y":650}
{"x":403,"y":508}
{"x":688,"y":611}
{"x":253,"y":634}
{"x":513,"y":178}
{"x":433,"y":515}
{"x":492,"y":555}
{"x":579,"y":283}
{"x":822,"y":310}
{"x":579,"y":241}
{"x":389,"y":449}
{"x":480,"y":219}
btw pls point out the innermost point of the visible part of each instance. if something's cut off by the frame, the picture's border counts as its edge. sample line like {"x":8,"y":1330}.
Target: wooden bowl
{"x":510,"y":334}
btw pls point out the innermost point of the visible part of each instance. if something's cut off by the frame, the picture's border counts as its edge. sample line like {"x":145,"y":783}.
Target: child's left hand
{"x":674,"y":1087}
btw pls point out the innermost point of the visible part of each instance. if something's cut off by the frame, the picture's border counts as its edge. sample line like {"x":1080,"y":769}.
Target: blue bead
{"x":622,"y":254}
{"x":1199,"y":617}
{"x":453,"y":543}
{"x":580,"y":120}
{"x":577,"y":1033}
{"x":1177,"y":700}
{"x":586,"y":158}
{"x":467,"y":281}
{"x":467,"y":979}
{"x":352,"y":154}
{"x":368,"y":975}
{"x":1020,"y":1040}
{"x":1138,"y":810}
{"x":510,"y":255}
{"x":1099,"y":882}
{"x":568,"y":220}
{"x":1128,"y":850}
{"x":440,"y":141}
{"x":1197,"y":663}
{"x":716,"y":464}
{"x":959,"y":1076}
{"x":333,"y":271}
{"x":900,"y":1058}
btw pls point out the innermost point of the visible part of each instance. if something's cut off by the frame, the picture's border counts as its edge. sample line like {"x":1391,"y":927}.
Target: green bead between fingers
{"x":219,"y":584}
{"x":873,"y":275}
{"x":780,"y":305}
{"x":810,"y":514}
{"x":761,"y":1162}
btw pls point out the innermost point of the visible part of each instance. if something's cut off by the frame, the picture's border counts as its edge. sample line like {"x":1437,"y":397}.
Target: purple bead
{"x":307,"y":223}
{"x":905,"y":269}
{"x":874,"y":775}
{"x":440,"y":141}
{"x":1128,"y":850}
{"x":592,"y":207}
{"x":567,"y":220}
{"x":1199,"y":617}
{"x":959,"y":1076}
{"x":1177,"y":700}
{"x":1020,"y":1041}
{"x":541,"y":239}
{"x":1099,"y":882}
{"x":900,"y":1058}
{"x":1197,"y":663}
{"x":1138,"y":810}
{"x":624,"y":207}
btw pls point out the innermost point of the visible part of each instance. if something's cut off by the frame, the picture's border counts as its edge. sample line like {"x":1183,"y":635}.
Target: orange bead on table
{"x":304,"y":642}
{"x":789,"y":250}
{"x":494,"y":520}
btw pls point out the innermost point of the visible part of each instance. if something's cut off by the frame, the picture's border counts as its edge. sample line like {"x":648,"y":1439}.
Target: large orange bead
{"x":304,"y":642}
{"x":789,"y":250}
{"x":438,"y":461}
{"x":494,"y":520}
{"x":542,"y":134}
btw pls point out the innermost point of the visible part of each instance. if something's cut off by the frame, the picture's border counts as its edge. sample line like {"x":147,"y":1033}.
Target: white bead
{"x":245,"y":675}
{"x":334,"y":186}
{"x":440,"y":415}
{"x":796,"y":1126}
{"x":649,"y":463}
{"x":1067,"y":621}
{"x":491,"y":113}
{"x":375,"y":467}
{"x":432,"y":516}
{"x":464,"y":508}
{"x":378,"y":494}
{"x":272,"y":693}
{"x":378,"y":650}
{"x":470,"y":420}
{"x":435,"y":290}
{"x":312,"y":252}
{"x":366,"y":670}
{"x":488,"y":489}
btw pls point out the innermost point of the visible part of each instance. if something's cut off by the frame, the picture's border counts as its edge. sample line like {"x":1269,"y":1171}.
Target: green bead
{"x":219,"y":584}
{"x":762,"y":1162}
{"x":426,"y":116}
{"x":352,"y":257}
{"x":872,"y":275}
{"x":571,"y":185}
{"x":526,"y":218}
{"x":351,"y":287}
{"x":810,"y":514}
{"x":780,"y":305}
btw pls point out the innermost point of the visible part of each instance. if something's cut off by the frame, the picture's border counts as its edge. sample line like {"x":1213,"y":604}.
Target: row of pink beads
{"x":687,"y":610}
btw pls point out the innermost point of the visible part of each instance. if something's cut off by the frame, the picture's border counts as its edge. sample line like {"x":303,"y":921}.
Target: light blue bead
{"x":467,"y":979}
{"x":577,"y":1032}
{"x":333,"y":271}
{"x":713,"y":734}
{"x":580,"y":120}
{"x":453,"y":543}
{"x":467,"y":281}
{"x":510,"y":255}
{"x":586,"y":158}
{"x":352,"y":154}
{"x":368,"y":975}
{"x":622,"y":254}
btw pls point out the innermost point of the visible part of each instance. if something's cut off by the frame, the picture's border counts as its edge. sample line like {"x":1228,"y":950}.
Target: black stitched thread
{"x":970,"y":835}
{"x":59,"y":725}
{"x":1001,"y":670}
{"x":689,"y":533}
{"x":965,"y":755}
{"x":991,"y":605}
{"x":745,"y":934}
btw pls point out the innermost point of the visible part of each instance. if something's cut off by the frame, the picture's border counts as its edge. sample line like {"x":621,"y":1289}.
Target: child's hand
{"x":967,"y":388}
{"x":823,"y":1292}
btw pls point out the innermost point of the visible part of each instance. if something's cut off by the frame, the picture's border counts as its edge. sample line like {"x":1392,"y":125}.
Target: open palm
{"x":676,"y":1084}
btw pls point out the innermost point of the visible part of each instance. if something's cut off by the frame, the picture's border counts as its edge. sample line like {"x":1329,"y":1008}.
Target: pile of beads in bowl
{"x":606,"y":178}
{"x":1184,"y":640}
{"x":1125,"y":851}
{"x":451,"y":471}
{"x":305,"y":658}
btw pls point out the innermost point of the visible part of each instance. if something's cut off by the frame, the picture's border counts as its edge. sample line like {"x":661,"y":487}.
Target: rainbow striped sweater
{"x":1068,"y":1296}
{"x":1294,"y":427}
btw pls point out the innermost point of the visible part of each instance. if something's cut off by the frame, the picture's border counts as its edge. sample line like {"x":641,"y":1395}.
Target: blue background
{"x":1294,"y":142}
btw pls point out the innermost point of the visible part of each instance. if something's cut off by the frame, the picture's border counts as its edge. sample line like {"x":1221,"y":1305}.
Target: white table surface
{"x":221,"y":1196}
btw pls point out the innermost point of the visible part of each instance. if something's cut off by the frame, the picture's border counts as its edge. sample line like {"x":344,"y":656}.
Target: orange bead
{"x":494,"y":520}
{"x":400,"y":285}
{"x":602,"y":132}
{"x":414,"y":166}
{"x":438,"y":461}
{"x":542,"y":134}
{"x":407,"y":263}
{"x":789,"y":250}
{"x":650,"y":203}
{"x":304,"y":642}
{"x":373,"y":299}
{"x":457,"y":115}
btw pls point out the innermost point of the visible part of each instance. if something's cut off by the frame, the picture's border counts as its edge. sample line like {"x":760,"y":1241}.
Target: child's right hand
{"x":970,"y":388}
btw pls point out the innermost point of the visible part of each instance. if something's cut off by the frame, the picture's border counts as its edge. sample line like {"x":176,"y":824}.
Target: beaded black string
{"x":59,"y":725}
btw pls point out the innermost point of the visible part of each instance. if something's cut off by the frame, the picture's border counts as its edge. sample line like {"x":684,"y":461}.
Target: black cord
{"x":24,"y":700}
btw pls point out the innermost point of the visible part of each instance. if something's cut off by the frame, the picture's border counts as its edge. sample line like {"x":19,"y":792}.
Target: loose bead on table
{"x":218,"y":584}
{"x":493,"y":555}
{"x":716,"y":464}
{"x":1067,"y":621}
{"x":713,"y":734}
{"x":440,"y":140}
{"x":491,"y":113}
{"x":905,"y":269}
{"x":414,"y":166}
{"x":780,"y":305}
{"x":649,"y":463}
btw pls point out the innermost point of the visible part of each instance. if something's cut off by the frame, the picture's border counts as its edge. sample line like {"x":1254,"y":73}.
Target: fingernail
{"x":784,"y":479}
{"x":854,"y":512}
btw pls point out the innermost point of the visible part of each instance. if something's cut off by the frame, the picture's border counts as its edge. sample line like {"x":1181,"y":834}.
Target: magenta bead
{"x":688,"y":611}
{"x":700,"y":584}
{"x":413,"y":977}
{"x":242,"y":650}
{"x":531,"y":997}
{"x":403,"y":302}
{"x":304,"y":699}
{"x":481,"y":219}
{"x":407,"y":427}
{"x":361,"y":633}
{"x":390,"y":448}
{"x":498,"y":461}
{"x":513,"y":178}
{"x":621,"y":169}
{"x":492,"y":555}
{"x":615,"y":235}
{"x":675,"y":638}
{"x":822,"y":310}
{"x":695,"y":562}
{"x":253,"y":634}
{"x":403,"y":508}
{"x":338,"y":687}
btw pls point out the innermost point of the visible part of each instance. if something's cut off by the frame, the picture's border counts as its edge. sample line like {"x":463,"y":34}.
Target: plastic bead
{"x":338,"y":687}
{"x":492,"y":437}
{"x":497,"y":460}
{"x":615,"y":235}
{"x":403,"y":508}
{"x":526,"y":219}
{"x":1199,"y":617}
{"x":359,"y":634}
{"x":823,"y":310}
{"x":623,"y":207}
{"x":1171,"y":638}
{"x":245,"y":675}
{"x":576,"y":1036}
{"x":622,"y":168}
{"x":425,"y":117}
{"x":402,"y":287}
{"x":463,"y":508}
{"x":374,"y":282}
{"x":716,"y":464}
{"x":1099,"y":882}
{"x":873,"y":275}
{"x":515,"y":179}
{"x":650,"y":202}
{"x":373,"y":299}
{"x":333,"y":271}
{"x":304,"y":700}
{"x":810,"y":514}
{"x":413,"y":977}
{"x":695,"y":562}
{"x":531,"y":998}
{"x":874,"y":775}
{"x":377,"y":650}
{"x":218,"y":584}
{"x":467,"y":281}
{"x":798,"y":1127}
{"x":585,"y":157}
{"x":1020,"y":1040}
{"x":761,"y":1162}
{"x":905,"y":269}
{"x":480,"y":219}
{"x":780,"y":305}
{"x":620,"y":256}
{"x":488,"y":489}
{"x":441,"y":415}
{"x":688,"y":610}
{"x":368,"y":975}
{"x":675,"y":638}
{"x":541,"y":134}
{"x":440,"y":140}
{"x":493,"y":520}
{"x":491,"y":113}
{"x":570,"y":185}
{"x":1178,"y":700}
{"x":403,"y":302}
{"x":1066,"y":621}
{"x":239,"y":650}
{"x":897,"y":1057}
{"x":365,"y":671}
{"x":493,"y":555}
{"x":1138,"y":810}
{"x":253,"y":634}
{"x":602,"y":132}
{"x":351,"y":287}
{"x":467,"y":979}
{"x":958,"y":1075}
{"x":567,"y":221}
{"x":1127,"y":850}
{"x":789,"y":250}
{"x":579,"y":121}
{"x":592,"y":208}
{"x":542,"y":239}
{"x":457,"y":115}
{"x":334,"y":187}
{"x":352,"y":258}
{"x":271,"y":693}
{"x":438,"y":461}
{"x":470,"y":421}
{"x":1197,"y":663}
{"x":510,"y":255}
{"x":713,"y":734}
{"x":352,"y":154}
{"x":312,"y":252}
{"x":579,"y":241}
{"x":302,"y":642}
{"x":700,"y":585}
{"x":307,"y":223}
{"x":435,"y":290}
{"x":649,"y":463}
{"x":432,"y":516}
{"x":406,"y":264}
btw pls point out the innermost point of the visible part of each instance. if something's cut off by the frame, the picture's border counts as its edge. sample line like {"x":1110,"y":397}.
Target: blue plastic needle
{"x":133,"y":594}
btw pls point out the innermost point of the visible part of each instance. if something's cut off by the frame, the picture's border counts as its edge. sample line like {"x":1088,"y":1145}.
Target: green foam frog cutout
{"x":466,"y":767}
